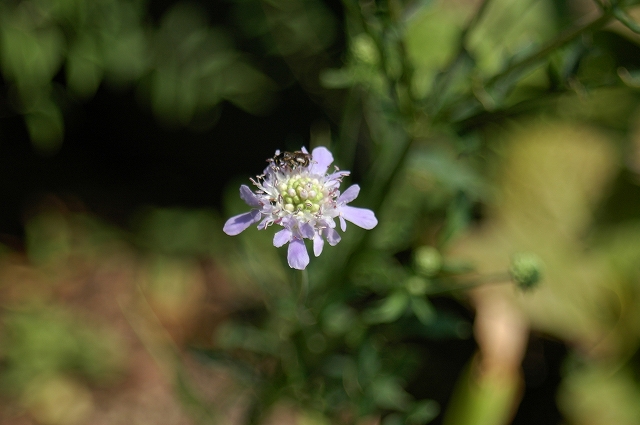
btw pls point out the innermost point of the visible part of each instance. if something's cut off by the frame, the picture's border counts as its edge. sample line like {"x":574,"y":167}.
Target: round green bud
{"x":365,"y":50}
{"x":427,"y":260}
{"x":525,"y":270}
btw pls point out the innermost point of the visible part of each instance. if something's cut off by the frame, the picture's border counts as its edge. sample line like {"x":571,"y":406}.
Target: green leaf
{"x":336,"y":78}
{"x":458,"y":216}
{"x":389,"y":394}
{"x":232,"y":336}
{"x":338,"y":318}
{"x":423,"y":411}
{"x":84,"y":67}
{"x":377,"y":271}
{"x":46,"y":126}
{"x":423,"y":310}
{"x":390,"y":309}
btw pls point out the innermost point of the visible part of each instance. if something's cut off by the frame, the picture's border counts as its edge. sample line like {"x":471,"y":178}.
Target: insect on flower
{"x":297,"y":193}
{"x":290,"y":159}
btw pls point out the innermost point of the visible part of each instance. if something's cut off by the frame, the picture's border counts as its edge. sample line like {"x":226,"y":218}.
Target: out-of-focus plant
{"x":85,"y":319}
{"x":49,"y":359}
{"x":55,"y":53}
{"x":429,"y":83}
{"x":483,"y":137}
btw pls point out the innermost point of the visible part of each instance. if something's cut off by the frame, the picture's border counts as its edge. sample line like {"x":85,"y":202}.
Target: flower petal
{"x":287,"y":222}
{"x":349,"y":195}
{"x":343,"y":224}
{"x":318,"y":244}
{"x":297,"y":255}
{"x":337,"y":176}
{"x":332,"y":236}
{"x":322,"y":158}
{"x":281,"y":238}
{"x":361,"y":217}
{"x":249,"y":197}
{"x":306,"y":230}
{"x":266,"y":222}
{"x":236,"y":224}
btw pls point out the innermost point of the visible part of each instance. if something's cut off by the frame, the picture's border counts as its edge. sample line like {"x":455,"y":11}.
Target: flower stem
{"x":304,"y":286}
{"x":470,"y":284}
{"x":551,"y":46}
{"x":503,"y":81}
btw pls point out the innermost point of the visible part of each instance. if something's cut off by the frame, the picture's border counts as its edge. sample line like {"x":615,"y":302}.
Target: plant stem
{"x":508,"y":74}
{"x":482,"y":280}
{"x":553,"y":45}
{"x":304,"y":286}
{"x":443,"y":79}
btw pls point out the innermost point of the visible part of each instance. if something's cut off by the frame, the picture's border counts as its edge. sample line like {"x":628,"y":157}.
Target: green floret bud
{"x":301,"y":193}
{"x":525,"y":270}
{"x":427,"y":260}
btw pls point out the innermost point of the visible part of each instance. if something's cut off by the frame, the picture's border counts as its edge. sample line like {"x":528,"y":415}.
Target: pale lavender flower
{"x":306,"y":201}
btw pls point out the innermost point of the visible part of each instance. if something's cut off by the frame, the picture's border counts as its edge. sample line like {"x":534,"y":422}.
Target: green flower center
{"x":302,"y":194}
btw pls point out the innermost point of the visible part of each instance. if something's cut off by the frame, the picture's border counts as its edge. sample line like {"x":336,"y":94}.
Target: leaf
{"x":422,"y":412}
{"x":458,"y":216}
{"x":84,"y":68}
{"x":423,"y":310}
{"x":377,"y":271}
{"x":390,"y":309}
{"x":46,"y":126}
{"x":233,"y":336}
{"x":388,"y":393}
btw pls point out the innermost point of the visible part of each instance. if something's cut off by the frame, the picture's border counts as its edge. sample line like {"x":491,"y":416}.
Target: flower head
{"x":296,"y":192}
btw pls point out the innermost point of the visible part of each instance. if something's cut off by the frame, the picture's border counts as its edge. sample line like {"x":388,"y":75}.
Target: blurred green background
{"x":127,"y":126}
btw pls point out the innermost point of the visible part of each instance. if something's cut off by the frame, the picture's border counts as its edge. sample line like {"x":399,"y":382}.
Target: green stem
{"x":471,"y":25}
{"x":443,"y":80}
{"x":525,"y":63}
{"x":383,"y":180}
{"x":553,"y":45}
{"x":304,"y":286}
{"x":625,"y":19}
{"x":491,"y":279}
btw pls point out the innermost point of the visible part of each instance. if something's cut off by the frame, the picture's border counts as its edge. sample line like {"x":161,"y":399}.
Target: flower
{"x":296,"y":192}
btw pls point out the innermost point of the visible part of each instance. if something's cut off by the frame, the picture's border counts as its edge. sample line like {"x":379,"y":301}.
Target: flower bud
{"x":525,"y":270}
{"x":428,"y":260}
{"x":365,"y":49}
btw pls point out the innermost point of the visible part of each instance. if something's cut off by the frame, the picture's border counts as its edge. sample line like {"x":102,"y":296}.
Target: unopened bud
{"x":525,"y":270}
{"x":428,"y":260}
